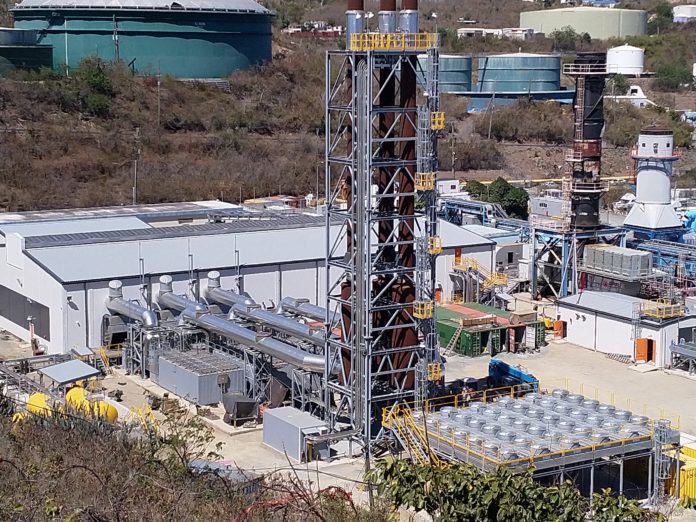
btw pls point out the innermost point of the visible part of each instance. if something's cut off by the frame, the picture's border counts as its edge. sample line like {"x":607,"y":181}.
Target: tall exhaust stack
{"x":381,"y":165}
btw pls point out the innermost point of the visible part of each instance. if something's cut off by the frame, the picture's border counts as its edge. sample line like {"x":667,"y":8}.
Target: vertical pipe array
{"x":355,"y":17}
{"x":404,"y":291}
{"x":386,"y":252}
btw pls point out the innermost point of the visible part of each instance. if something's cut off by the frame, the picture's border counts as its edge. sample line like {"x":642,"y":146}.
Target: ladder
{"x":495,"y":342}
{"x":449,"y":349}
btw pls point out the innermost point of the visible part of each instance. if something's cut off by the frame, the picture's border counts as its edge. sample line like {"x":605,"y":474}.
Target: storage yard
{"x":390,"y":320}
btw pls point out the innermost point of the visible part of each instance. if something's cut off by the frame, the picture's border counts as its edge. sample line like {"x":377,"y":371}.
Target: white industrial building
{"x":608,"y":322}
{"x":55,"y":266}
{"x":683,"y":13}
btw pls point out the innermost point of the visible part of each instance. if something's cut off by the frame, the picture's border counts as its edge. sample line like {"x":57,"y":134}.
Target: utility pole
{"x":135,"y":165}
{"x":117,"y":53}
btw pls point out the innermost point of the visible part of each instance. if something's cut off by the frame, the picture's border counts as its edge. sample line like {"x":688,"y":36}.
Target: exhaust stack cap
{"x":115,"y":289}
{"x":214,"y":279}
{"x":165,"y":283}
{"x":355,"y":24}
{"x":387,"y":21}
{"x":408,"y":21}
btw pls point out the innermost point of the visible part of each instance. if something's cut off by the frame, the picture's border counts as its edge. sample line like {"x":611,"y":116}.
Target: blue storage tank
{"x":519,"y":72}
{"x":456,"y":71}
{"x":182,"y":38}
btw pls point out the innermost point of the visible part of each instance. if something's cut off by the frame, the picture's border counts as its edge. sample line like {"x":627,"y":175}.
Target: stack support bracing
{"x":558,"y":244}
{"x":381,"y":160}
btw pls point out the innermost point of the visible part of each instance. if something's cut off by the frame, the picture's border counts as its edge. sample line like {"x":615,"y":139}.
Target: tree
{"x":462,"y":493}
{"x":514,"y":200}
{"x":661,"y":18}
{"x":619,"y":85}
{"x":671,"y":77}
{"x":567,"y":39}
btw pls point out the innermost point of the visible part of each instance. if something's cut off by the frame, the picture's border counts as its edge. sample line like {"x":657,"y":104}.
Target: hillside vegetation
{"x":67,"y":142}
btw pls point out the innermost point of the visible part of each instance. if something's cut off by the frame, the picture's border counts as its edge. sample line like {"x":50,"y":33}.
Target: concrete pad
{"x":641,"y":368}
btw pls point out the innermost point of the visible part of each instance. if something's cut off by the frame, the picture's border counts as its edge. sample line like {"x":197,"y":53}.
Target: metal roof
{"x":146,"y":212}
{"x":456,"y":236}
{"x":247,"y":222}
{"x":83,"y":351}
{"x":609,"y":303}
{"x":167,"y":254}
{"x":71,"y":226}
{"x":237,"y":6}
{"x":67,"y":372}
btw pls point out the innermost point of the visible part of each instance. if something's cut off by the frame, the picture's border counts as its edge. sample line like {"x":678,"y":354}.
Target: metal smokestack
{"x":355,"y":18}
{"x":387,"y":17}
{"x":408,"y":16}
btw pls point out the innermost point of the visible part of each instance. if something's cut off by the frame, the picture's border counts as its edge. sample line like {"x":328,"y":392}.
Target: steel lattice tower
{"x":381,"y":164}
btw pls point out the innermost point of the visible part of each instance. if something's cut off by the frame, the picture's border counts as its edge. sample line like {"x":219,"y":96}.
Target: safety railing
{"x":393,"y":41}
{"x":105,"y":360}
{"x":423,"y":309}
{"x":491,"y":279}
{"x":434,"y":372}
{"x":496,"y":460}
{"x":425,"y":181}
{"x":661,"y":309}
{"x":437,"y":120}
{"x":434,"y":245}
{"x":576,"y":69}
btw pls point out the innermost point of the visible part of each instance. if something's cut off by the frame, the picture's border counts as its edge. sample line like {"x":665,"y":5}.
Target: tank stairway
{"x":412,"y":439}
{"x":449,"y":349}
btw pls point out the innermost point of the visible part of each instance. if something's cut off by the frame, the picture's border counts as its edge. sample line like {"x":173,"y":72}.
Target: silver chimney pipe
{"x":248,"y":309}
{"x":408,"y":16}
{"x":117,"y":305}
{"x":355,"y":19}
{"x":387,"y":16}
{"x":199,"y":315}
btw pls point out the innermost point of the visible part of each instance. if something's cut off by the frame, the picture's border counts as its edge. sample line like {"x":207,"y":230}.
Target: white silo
{"x":626,"y":60}
{"x":652,"y":213}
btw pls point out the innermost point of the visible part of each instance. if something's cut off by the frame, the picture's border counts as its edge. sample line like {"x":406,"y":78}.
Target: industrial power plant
{"x":340,"y":332}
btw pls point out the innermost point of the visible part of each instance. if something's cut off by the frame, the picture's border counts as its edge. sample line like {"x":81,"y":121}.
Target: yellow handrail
{"x":393,"y":41}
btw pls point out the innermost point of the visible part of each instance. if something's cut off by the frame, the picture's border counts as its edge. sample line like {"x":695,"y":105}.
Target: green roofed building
{"x":181,"y":38}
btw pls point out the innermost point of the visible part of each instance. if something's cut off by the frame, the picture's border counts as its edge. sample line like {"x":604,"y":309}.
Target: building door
{"x":651,"y":350}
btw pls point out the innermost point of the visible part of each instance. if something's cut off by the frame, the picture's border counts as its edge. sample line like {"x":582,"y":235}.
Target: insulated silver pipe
{"x":117,"y":305}
{"x":267,"y":345}
{"x":302,"y":308}
{"x":245,"y":307}
{"x":199,"y":315}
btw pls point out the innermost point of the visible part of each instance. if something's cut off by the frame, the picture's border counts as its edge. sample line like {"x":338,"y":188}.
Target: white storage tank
{"x":626,"y":60}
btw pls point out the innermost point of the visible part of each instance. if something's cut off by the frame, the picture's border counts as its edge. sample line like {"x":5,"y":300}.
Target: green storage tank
{"x":182,"y":38}
{"x":519,"y":72}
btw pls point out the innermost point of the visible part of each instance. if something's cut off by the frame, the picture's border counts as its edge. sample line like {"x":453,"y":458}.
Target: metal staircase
{"x":449,"y":349}
{"x":405,"y":431}
{"x":102,"y":362}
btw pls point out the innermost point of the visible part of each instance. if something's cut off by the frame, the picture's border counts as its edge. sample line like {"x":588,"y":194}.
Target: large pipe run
{"x":245,"y":307}
{"x":117,"y":305}
{"x":302,"y":308}
{"x":199,"y":315}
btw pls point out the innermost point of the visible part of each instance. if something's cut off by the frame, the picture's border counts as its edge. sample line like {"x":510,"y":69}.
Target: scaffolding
{"x":381,"y":165}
